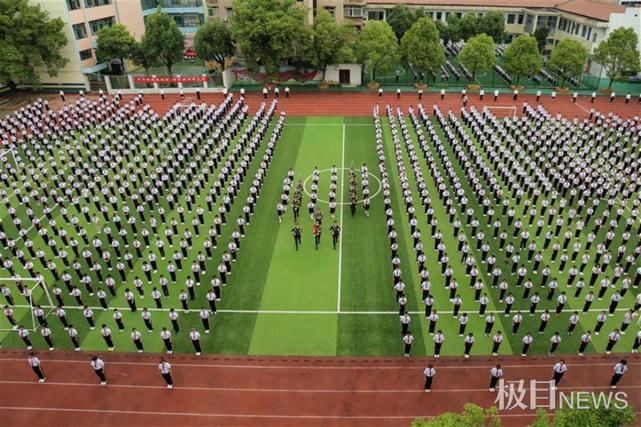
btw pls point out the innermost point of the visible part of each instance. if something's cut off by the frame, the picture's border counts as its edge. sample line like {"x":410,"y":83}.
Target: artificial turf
{"x":327,"y":302}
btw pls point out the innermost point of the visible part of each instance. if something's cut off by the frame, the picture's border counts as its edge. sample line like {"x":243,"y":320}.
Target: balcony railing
{"x":153,"y":4}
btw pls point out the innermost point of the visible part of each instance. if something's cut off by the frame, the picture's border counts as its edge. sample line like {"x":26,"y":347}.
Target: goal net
{"x":24,"y":295}
{"x":502,"y":112}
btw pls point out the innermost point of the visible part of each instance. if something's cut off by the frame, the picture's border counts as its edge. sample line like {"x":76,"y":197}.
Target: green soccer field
{"x":326,"y":301}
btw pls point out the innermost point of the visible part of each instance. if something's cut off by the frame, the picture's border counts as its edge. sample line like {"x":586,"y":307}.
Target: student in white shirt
{"x":560,"y":368}
{"x":165,"y":371}
{"x":619,"y":369}
{"x":98,"y":366}
{"x":194,"y":335}
{"x":34,"y":362}
{"x":495,"y":375}
{"x":429,"y":374}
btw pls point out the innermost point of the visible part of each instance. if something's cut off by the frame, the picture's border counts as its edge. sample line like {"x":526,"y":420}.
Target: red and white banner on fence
{"x":170,"y":79}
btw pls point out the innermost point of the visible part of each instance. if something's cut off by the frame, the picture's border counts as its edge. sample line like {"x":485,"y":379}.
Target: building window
{"x":94,"y":3}
{"x":212,"y":11}
{"x":594,"y":37}
{"x":100,"y":23}
{"x":353,"y":11}
{"x":459,"y":14}
{"x":188,"y":20}
{"x":331,"y":10}
{"x":230,"y":12}
{"x":80,"y":31}
{"x":511,"y":18}
{"x":85,"y":54}
{"x":520,"y":18}
{"x":376,"y":15}
{"x":73,"y":4}
{"x":439,"y":15}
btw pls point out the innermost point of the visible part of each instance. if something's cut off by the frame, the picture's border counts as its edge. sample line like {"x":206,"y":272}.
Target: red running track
{"x":361,"y":103}
{"x":274,"y":391}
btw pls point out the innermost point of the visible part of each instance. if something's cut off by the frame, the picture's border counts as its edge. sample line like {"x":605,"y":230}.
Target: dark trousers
{"x":176,"y":326}
{"x":38,"y":372}
{"x":168,"y":379}
{"x":101,"y":374}
{"x":168,"y":345}
{"x":615,"y":379}
{"x":582,"y":346}
{"x":75,"y":342}
{"x":109,"y":341}
{"x":197,"y":347}
{"x":408,"y":348}
{"x":212,"y":306}
{"x":468,"y":348}
{"x":148,"y":324}
{"x":428,"y":383}
{"x":437,"y":348}
{"x":138,"y":344}
{"x":557,"y":378}
{"x":495,"y":347}
{"x":493,"y":381}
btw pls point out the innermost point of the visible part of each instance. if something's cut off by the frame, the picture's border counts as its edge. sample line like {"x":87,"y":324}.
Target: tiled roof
{"x":587,"y":8}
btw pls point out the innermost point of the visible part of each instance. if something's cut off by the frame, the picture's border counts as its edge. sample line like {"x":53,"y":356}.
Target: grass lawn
{"x":328,"y":301}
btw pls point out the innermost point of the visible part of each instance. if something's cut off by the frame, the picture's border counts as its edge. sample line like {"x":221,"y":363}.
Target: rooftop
{"x":587,"y":8}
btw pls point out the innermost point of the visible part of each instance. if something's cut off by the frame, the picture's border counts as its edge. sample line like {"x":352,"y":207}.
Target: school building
{"x":588,"y":21}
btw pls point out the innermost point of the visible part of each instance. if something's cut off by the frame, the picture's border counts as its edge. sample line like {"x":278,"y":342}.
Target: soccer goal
{"x":503,"y":111}
{"x":25,"y":294}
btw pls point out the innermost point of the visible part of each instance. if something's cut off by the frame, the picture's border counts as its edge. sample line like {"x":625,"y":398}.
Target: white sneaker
{"x":103,"y":382}
{"x":197,"y":353}
{"x":170,"y":386}
{"x":41,"y":380}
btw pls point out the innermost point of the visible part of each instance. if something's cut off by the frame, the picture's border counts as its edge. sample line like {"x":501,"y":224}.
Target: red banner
{"x":170,"y":79}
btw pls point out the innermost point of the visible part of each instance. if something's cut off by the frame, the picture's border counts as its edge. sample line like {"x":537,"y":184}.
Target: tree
{"x":478,"y":54}
{"x":587,"y":417}
{"x":114,"y":42}
{"x":164,"y":40}
{"x":469,"y":26}
{"x":377,"y":48}
{"x":522,"y":57}
{"x":619,"y":54}
{"x":568,"y":58}
{"x":142,"y":56}
{"x":452,"y":31}
{"x":541,"y":36}
{"x":30,"y":41}
{"x":421,"y":47}
{"x":213,"y":42}
{"x":331,"y":42}
{"x":472,"y":416}
{"x":401,"y":18}
{"x":269,"y":32}
{"x":493,"y":24}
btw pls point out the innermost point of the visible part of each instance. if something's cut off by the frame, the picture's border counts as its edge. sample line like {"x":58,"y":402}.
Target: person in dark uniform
{"x":335,"y":231}
{"x":296,"y":233}
{"x":316,"y":231}
{"x":619,"y":369}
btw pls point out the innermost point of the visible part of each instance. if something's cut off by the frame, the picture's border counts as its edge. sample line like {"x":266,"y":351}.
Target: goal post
{"x":511,"y":111}
{"x":26,"y":293}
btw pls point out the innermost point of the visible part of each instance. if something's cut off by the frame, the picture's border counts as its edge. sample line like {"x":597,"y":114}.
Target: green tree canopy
{"x":522,"y":57}
{"x":377,"y":48}
{"x":492,"y":24}
{"x":472,"y":416}
{"x":269,"y":32}
{"x":469,"y":26}
{"x":401,"y":18}
{"x":142,"y":56}
{"x":164,"y":39}
{"x":452,"y":31}
{"x":331,"y":43}
{"x":213,"y":42}
{"x":541,"y":36}
{"x":478,"y":54}
{"x":587,"y":417}
{"x":619,"y":54}
{"x":568,"y":58}
{"x":114,"y":42}
{"x":421,"y":47}
{"x":30,"y":41}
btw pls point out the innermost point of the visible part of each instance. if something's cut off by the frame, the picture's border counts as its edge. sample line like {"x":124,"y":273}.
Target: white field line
{"x":292,"y":390}
{"x":471,"y":313}
{"x":242,"y":416}
{"x":340,"y":236}
{"x":250,"y":365}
